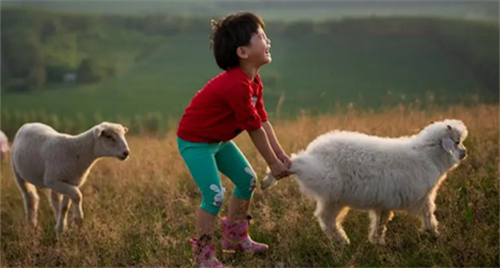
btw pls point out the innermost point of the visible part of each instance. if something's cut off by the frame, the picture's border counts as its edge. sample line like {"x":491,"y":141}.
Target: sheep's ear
{"x":98,"y":131}
{"x":447,"y":144}
{"x":125,"y":129}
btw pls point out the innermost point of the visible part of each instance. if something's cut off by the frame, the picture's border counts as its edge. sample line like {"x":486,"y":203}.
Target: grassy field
{"x":141,"y":212}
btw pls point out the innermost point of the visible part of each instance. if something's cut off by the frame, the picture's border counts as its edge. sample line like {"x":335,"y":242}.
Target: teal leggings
{"x":205,"y":160}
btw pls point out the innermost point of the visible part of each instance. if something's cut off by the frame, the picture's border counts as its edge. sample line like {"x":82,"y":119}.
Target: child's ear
{"x":242,"y":52}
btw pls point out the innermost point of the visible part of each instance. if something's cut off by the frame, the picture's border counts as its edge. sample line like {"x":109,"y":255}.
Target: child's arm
{"x":261,"y":142}
{"x":259,"y":138}
{"x":280,"y":153}
{"x":247,"y":118}
{"x":268,"y":128}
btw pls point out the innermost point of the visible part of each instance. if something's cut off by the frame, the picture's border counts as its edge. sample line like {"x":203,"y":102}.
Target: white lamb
{"x":343,"y":170}
{"x":43,"y":158}
{"x":4,"y":145}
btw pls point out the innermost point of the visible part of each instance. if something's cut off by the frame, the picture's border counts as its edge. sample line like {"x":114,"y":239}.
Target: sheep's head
{"x":449,"y":134}
{"x":110,"y":140}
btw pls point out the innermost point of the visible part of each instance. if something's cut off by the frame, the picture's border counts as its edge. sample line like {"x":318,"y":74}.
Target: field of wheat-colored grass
{"x":141,"y":212}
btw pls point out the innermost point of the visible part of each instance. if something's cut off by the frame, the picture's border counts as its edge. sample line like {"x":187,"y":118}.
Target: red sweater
{"x":227,"y":105}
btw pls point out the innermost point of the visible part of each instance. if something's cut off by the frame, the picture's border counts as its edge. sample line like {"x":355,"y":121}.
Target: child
{"x":229,"y":104}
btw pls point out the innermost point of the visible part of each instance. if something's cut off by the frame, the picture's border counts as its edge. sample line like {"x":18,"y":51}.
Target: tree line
{"x":41,"y":47}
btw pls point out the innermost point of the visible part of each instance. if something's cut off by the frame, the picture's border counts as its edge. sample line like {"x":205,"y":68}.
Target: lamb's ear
{"x":447,"y":144}
{"x":125,"y":129}
{"x":98,"y":131}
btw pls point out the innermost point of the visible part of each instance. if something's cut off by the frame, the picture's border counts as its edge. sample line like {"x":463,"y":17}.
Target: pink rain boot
{"x":204,"y":253}
{"x":235,"y":237}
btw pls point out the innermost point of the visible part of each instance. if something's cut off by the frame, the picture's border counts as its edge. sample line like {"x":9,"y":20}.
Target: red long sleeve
{"x":227,"y":105}
{"x":242,"y":100}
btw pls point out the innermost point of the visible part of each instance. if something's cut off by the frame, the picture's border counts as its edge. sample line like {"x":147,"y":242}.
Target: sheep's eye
{"x":109,"y":137}
{"x":457,"y":142}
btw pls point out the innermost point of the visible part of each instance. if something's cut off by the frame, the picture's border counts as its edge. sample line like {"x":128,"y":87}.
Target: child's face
{"x":258,"y":50}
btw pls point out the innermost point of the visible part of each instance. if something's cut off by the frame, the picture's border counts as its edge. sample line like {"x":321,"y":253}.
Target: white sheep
{"x":43,"y":158}
{"x":343,"y":170}
{"x":4,"y":145}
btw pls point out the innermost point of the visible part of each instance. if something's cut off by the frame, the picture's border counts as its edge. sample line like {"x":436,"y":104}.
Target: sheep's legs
{"x":60,"y":208}
{"x":378,"y":220}
{"x":55,"y":200}
{"x":31,"y":199}
{"x":62,"y":215}
{"x":429,"y":221}
{"x":330,"y":218}
{"x":74,"y":195}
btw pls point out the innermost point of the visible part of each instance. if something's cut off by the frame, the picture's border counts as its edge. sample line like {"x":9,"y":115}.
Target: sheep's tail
{"x":300,"y":164}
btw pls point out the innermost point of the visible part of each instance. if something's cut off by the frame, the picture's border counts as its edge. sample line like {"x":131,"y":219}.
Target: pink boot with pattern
{"x":204,"y":253}
{"x":235,"y":237}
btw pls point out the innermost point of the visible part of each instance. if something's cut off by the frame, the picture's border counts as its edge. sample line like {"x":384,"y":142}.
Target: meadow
{"x":141,"y":212}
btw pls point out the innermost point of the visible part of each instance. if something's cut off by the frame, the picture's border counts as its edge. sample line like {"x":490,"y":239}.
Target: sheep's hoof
{"x":33,"y":223}
{"x":33,"y":229}
{"x":434,"y":234}
{"x":78,"y":222}
{"x":373,"y":240}
{"x":342,"y":240}
{"x":60,"y":229}
{"x":266,"y":183}
{"x":377,"y":241}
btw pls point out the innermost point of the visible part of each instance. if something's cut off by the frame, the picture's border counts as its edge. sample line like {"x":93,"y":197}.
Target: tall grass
{"x":141,"y":212}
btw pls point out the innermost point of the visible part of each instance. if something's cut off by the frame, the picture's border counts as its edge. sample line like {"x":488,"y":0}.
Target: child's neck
{"x":250,"y":70}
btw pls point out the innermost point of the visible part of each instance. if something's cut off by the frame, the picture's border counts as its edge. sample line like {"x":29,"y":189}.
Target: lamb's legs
{"x":31,"y":199}
{"x":74,"y":195}
{"x":330,"y":218}
{"x":378,"y":220}
{"x":429,"y":221}
{"x":55,"y":201}
{"x":62,"y":215}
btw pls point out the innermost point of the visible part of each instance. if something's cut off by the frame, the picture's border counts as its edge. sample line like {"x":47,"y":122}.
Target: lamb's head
{"x":449,"y":135}
{"x":110,"y":140}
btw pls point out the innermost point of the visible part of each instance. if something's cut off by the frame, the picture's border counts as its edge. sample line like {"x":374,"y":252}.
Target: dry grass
{"x":141,"y":212}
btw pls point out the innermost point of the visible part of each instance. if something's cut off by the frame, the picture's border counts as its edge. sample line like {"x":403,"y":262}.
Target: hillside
{"x":137,"y":66}
{"x":281,"y":9}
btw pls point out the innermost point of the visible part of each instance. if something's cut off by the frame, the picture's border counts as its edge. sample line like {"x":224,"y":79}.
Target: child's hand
{"x":285,"y":159}
{"x":279,"y":170}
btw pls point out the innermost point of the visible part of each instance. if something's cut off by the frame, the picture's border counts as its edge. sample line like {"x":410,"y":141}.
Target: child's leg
{"x":199,"y":158}
{"x":235,"y":166}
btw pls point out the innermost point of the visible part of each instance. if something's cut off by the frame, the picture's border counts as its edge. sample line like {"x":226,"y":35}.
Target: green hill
{"x":155,"y":64}
{"x":280,"y":9}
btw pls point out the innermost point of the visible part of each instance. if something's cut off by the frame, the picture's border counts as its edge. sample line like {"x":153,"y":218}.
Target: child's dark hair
{"x":231,"y":32}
